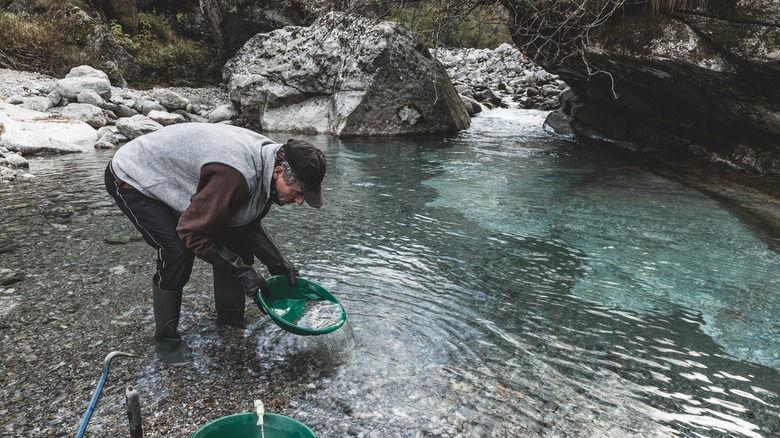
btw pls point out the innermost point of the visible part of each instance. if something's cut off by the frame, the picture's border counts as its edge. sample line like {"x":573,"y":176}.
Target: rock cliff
{"x":700,"y":82}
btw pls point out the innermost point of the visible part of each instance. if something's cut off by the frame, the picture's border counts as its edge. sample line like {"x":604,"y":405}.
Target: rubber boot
{"x":229,"y":300}
{"x":167,"y":309}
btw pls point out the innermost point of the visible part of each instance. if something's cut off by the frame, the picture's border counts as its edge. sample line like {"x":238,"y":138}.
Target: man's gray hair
{"x":287,"y":172}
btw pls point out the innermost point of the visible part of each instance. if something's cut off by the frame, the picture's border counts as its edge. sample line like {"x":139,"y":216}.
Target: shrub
{"x":53,"y":43}
{"x":180,"y":63}
{"x":163,"y":58}
{"x":42,"y":43}
{"x":453,"y":24}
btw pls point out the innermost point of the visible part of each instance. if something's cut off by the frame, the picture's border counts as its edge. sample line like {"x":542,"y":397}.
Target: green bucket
{"x":287,"y":303}
{"x":245,"y":426}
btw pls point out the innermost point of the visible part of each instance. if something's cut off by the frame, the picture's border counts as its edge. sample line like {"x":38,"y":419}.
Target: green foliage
{"x":124,"y":39}
{"x":154,"y":29}
{"x":180,"y":63}
{"x":54,"y":6}
{"x":20,"y":29}
{"x":54,"y":43}
{"x":454,"y":24}
{"x":43,"y":43}
{"x":162,"y":57}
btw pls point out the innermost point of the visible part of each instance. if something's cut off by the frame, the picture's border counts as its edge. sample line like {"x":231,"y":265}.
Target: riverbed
{"x":501,"y":282}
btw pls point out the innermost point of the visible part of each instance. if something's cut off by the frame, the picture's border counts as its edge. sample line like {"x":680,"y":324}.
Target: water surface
{"x":498,"y":283}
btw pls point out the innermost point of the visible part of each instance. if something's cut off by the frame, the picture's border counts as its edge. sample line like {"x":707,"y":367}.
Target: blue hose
{"x":98,"y":390}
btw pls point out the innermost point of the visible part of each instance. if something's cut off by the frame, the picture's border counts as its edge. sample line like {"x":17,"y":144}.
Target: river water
{"x":500,"y":286}
{"x":499,"y":283}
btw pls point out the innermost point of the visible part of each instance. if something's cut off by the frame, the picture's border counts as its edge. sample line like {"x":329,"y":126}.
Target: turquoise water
{"x":499,"y":283}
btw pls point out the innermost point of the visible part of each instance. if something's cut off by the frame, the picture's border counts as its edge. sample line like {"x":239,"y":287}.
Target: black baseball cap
{"x":308,"y":164}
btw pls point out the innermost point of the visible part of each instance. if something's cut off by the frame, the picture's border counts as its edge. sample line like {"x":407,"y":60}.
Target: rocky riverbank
{"x":484,"y":78}
{"x":54,"y":255}
{"x":106,"y":116}
{"x":59,"y":275}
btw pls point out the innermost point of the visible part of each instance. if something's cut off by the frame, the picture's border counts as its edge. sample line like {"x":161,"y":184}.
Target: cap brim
{"x":312,"y":196}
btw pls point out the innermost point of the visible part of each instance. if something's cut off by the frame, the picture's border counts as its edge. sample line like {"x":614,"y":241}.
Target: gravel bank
{"x":84,"y":299}
{"x":27,"y":83}
{"x":62,"y":244}
{"x":75,"y":286}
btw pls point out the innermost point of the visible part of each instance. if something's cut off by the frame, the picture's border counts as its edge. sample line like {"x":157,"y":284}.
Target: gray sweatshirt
{"x":166,"y":164}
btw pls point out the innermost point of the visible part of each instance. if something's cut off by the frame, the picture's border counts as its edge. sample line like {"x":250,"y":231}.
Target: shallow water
{"x":318,"y":315}
{"x":498,"y":283}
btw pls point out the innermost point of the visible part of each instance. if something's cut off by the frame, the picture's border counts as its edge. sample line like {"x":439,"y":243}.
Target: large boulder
{"x":699,"y":82}
{"x":344,"y":75}
{"x":83,"y":78}
{"x":33,"y":132}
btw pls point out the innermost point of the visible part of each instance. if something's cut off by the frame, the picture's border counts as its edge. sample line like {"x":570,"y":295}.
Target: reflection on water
{"x":497,"y":284}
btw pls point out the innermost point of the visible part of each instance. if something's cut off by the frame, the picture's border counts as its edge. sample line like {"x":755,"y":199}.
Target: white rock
{"x":89,"y":114}
{"x":32,"y":132}
{"x":86,"y":71}
{"x":17,"y":161}
{"x":223,"y":113}
{"x":71,"y":87}
{"x":37,"y":103}
{"x":165,"y":118}
{"x":90,"y":97}
{"x":170,"y":99}
{"x":136,"y":126}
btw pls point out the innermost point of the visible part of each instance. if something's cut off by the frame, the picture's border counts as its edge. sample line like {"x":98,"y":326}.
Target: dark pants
{"x":157,"y":224}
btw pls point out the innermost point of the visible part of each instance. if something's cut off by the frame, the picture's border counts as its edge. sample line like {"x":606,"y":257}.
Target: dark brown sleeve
{"x":222,"y":190}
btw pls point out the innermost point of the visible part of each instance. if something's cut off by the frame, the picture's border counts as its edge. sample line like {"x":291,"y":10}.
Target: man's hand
{"x":287,"y":270}
{"x":251,"y":283}
{"x":269,"y":253}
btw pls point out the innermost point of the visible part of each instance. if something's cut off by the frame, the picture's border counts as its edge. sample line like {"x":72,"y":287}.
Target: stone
{"x":346,"y":76}
{"x":89,"y":114}
{"x":136,"y":126}
{"x":109,"y":138}
{"x":91,"y":97}
{"x":148,"y":106}
{"x":122,"y":110}
{"x":165,"y":118}
{"x":223,"y":113}
{"x":33,"y":132}
{"x":37,"y":103}
{"x":86,"y":71}
{"x":472,"y":105}
{"x":72,"y":86}
{"x":16,"y":161}
{"x":171,"y":100}
{"x":9,"y":277}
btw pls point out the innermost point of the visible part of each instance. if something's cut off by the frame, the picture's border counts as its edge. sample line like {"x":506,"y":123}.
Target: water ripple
{"x":496,"y":286}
